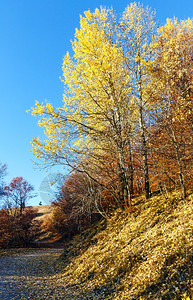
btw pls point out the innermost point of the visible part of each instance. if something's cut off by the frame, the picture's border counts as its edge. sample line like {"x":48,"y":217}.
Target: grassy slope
{"x":44,"y":212}
{"x":143,"y":254}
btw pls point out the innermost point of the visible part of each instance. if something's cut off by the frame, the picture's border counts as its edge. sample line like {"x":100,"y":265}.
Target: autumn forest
{"x":125,"y":127}
{"x":125,"y":132}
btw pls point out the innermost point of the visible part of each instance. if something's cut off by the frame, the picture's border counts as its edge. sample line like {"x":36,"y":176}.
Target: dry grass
{"x":43,"y":211}
{"x":143,"y":254}
{"x":45,"y":236}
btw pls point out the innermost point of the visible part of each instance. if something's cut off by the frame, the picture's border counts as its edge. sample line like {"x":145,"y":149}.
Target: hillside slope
{"x":146,"y":253}
{"x":43,"y":213}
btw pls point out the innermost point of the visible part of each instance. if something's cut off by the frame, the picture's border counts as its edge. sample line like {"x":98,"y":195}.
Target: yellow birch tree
{"x":137,"y":27}
{"x":96,"y":118}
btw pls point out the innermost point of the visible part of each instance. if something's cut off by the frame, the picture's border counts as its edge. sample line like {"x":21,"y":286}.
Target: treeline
{"x":17,"y":225}
{"x":126,"y":124}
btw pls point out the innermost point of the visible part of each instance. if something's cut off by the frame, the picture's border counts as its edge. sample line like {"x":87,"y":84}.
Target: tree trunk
{"x":144,"y":155}
{"x":126,"y":196}
{"x":181,"y":176}
{"x":180,"y":173}
{"x":145,"y":168}
{"x":131,"y":171}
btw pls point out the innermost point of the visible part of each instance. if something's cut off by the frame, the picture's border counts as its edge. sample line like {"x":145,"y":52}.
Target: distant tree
{"x":17,"y":225}
{"x":79,"y":203}
{"x":29,"y":227}
{"x":5,"y":226}
{"x":3,"y":172}
{"x":18,"y":230}
{"x":18,"y":192}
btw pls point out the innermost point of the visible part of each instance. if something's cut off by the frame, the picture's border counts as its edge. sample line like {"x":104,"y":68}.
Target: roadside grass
{"x":43,"y":211}
{"x":143,"y":253}
{"x":12,"y":251}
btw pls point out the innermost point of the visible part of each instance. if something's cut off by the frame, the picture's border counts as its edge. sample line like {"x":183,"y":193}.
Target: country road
{"x":33,"y":274}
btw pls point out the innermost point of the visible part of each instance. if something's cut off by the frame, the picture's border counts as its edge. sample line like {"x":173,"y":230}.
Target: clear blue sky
{"x":34,"y":37}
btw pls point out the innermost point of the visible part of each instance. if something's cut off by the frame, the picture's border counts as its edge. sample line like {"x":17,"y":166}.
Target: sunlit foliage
{"x":127,"y":90}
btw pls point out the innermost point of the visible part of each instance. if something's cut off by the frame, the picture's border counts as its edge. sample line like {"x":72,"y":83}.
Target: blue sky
{"x":34,"y":37}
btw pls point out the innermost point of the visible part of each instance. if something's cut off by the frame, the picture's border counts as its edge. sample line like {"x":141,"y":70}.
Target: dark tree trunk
{"x":144,"y":155}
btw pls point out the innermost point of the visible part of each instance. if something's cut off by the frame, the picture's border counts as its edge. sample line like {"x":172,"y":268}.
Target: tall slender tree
{"x":137,"y":28}
{"x":3,"y":172}
{"x":173,"y":77}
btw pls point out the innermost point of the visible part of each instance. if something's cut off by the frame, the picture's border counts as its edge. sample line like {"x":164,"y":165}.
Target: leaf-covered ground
{"x":31,"y":274}
{"x":143,"y":254}
{"x":146,"y":253}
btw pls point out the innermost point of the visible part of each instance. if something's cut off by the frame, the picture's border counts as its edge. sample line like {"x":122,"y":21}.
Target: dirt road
{"x":32,"y":274}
